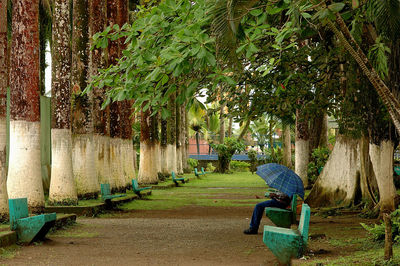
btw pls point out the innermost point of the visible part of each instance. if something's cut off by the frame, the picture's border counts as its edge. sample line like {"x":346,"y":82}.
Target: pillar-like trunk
{"x":24,"y":173}
{"x":382,"y":161}
{"x":286,"y":146}
{"x":163,"y":148}
{"x":179,"y":166}
{"x":101,"y":118}
{"x":83,"y":156}
{"x":171,"y":134}
{"x":4,"y":68}
{"x":302,"y":146}
{"x":147,"y":166}
{"x":62,"y":185}
{"x":126,"y":110}
{"x":184,"y":138}
{"x":339,"y":181}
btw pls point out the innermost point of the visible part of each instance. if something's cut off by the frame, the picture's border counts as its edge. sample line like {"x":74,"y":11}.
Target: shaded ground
{"x":206,"y":229}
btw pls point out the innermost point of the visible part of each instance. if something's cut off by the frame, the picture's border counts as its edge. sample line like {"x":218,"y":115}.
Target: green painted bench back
{"x":304,"y":223}
{"x":196,"y":173}
{"x":105,"y":189}
{"x":202,"y":170}
{"x":135,"y":184}
{"x":397,"y":170}
{"x":18,"y":209}
{"x":173,"y":175}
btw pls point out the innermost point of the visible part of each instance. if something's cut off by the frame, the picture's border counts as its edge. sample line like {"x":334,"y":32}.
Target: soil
{"x":185,"y":236}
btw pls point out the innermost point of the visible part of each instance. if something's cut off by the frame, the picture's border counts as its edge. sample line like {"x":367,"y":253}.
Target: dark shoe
{"x":250,"y":231}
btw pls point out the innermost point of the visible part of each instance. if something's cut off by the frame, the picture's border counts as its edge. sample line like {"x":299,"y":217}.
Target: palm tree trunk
{"x":62,"y":185}
{"x":4,"y":70}
{"x":148,"y":169}
{"x":101,"y":118}
{"x":24,"y":174}
{"x":83,"y":155}
{"x":383,"y":91}
{"x":171,"y":134}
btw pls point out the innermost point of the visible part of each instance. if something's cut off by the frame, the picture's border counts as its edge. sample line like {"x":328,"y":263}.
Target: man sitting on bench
{"x":278,"y":200}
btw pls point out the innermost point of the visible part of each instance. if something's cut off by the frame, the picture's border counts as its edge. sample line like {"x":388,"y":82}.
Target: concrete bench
{"x":283,"y":217}
{"x":287,"y":243}
{"x":197,"y":173}
{"x":106,"y":193}
{"x":135,"y":187}
{"x":176,"y":179}
{"x":28,"y":228}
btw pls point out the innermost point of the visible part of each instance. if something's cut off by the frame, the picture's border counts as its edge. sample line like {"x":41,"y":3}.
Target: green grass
{"x":218,"y":190}
{"x":9,"y":252}
{"x":372,"y":256}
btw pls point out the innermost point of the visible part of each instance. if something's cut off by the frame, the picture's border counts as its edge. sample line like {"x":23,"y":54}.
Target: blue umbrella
{"x":281,"y":178}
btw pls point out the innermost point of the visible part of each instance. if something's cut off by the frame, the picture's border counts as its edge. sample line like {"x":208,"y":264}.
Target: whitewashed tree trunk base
{"x":302,"y":148}
{"x":382,"y":162}
{"x":171,"y":158}
{"x":83,"y":162}
{"x":339,"y":181}
{"x":4,"y":215}
{"x":127,"y":162}
{"x":24,"y":173}
{"x":117,"y":174}
{"x":147,"y":166}
{"x":62,"y":185}
{"x":164,"y":161}
{"x":179,"y":165}
{"x":102,"y":144}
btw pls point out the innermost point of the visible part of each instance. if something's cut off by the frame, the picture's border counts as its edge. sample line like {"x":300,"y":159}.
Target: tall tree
{"x":179,"y":132}
{"x":62,"y":185}
{"x":24,"y":173}
{"x":128,"y":169}
{"x":171,"y":134}
{"x":101,"y":118}
{"x":4,"y":70}
{"x":82,"y":123}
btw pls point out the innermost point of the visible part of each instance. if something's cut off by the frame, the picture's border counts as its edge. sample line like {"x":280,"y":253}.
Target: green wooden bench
{"x":106,"y":193}
{"x":197,"y":173}
{"x":283,"y":217}
{"x":28,"y":228}
{"x":203,"y":172}
{"x":287,"y":243}
{"x":397,"y":170}
{"x":135,"y":187}
{"x":176,"y":179}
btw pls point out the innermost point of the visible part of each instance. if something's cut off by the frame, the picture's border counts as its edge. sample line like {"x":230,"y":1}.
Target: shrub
{"x":377,"y":231}
{"x":239,"y":166}
{"x":210,"y":167}
{"x":193,"y":162}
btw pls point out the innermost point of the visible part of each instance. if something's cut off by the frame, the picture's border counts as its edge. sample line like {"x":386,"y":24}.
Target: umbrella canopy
{"x":281,"y":178}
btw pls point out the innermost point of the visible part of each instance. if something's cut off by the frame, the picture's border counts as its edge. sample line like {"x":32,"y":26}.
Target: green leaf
{"x":256,"y":12}
{"x":336,"y":7}
{"x":165,"y":113}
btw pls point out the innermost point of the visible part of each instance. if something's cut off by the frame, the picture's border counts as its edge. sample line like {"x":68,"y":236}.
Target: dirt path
{"x":187,"y":236}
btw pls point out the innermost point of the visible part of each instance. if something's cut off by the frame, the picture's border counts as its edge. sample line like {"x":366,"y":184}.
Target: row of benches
{"x":33,"y":228}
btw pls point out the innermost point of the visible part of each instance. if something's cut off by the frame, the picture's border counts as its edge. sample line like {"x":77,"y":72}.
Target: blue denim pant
{"x":259,"y":211}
